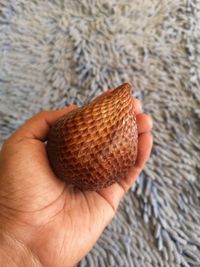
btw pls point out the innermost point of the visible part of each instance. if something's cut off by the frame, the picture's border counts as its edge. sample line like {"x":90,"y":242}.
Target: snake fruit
{"x":94,"y":146}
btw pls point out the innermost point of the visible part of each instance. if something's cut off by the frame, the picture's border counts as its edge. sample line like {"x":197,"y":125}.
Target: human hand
{"x":57,"y":224}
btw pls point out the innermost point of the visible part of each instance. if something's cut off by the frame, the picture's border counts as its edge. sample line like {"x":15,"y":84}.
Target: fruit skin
{"x":94,"y":146}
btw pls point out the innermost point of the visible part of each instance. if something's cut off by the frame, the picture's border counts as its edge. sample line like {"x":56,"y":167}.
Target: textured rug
{"x":58,"y":52}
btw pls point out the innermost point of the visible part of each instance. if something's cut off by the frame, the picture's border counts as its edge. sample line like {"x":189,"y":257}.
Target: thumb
{"x":38,"y":126}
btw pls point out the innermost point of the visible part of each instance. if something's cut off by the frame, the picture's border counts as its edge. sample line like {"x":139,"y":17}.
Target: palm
{"x":48,"y":209}
{"x":62,"y":223}
{"x":72,"y":225}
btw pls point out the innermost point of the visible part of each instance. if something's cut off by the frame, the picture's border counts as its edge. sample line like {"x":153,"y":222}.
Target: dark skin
{"x":42,"y":218}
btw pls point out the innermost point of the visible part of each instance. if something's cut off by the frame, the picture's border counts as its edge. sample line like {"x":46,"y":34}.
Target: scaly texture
{"x":55,"y":53}
{"x":94,"y":146}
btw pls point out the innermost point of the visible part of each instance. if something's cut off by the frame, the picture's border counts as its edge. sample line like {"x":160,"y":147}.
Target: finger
{"x":114,"y":193}
{"x":137,"y":106}
{"x":145,"y":143}
{"x":38,"y":126}
{"x":144,"y":123}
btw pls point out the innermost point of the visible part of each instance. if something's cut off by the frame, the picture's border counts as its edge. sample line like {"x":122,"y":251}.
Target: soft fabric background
{"x":55,"y":53}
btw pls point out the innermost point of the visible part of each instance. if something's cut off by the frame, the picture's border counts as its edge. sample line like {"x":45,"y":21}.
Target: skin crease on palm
{"x":58,"y":224}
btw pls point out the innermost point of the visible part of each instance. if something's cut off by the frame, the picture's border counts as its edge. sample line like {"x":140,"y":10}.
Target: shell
{"x":94,"y":146}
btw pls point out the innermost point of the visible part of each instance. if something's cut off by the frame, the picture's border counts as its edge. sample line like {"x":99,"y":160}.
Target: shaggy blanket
{"x":58,"y":52}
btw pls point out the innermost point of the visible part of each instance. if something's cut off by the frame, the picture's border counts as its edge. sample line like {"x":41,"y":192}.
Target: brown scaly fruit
{"x":94,"y":146}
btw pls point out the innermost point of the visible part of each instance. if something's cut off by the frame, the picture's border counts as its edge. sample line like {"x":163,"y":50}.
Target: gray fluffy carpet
{"x":58,"y":52}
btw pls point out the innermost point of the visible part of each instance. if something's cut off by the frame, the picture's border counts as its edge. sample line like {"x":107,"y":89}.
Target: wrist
{"x":14,"y":253}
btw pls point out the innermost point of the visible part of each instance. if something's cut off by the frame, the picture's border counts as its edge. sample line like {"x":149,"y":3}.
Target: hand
{"x":56,"y":223}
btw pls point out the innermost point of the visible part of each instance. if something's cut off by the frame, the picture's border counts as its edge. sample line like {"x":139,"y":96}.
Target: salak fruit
{"x":94,"y":146}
